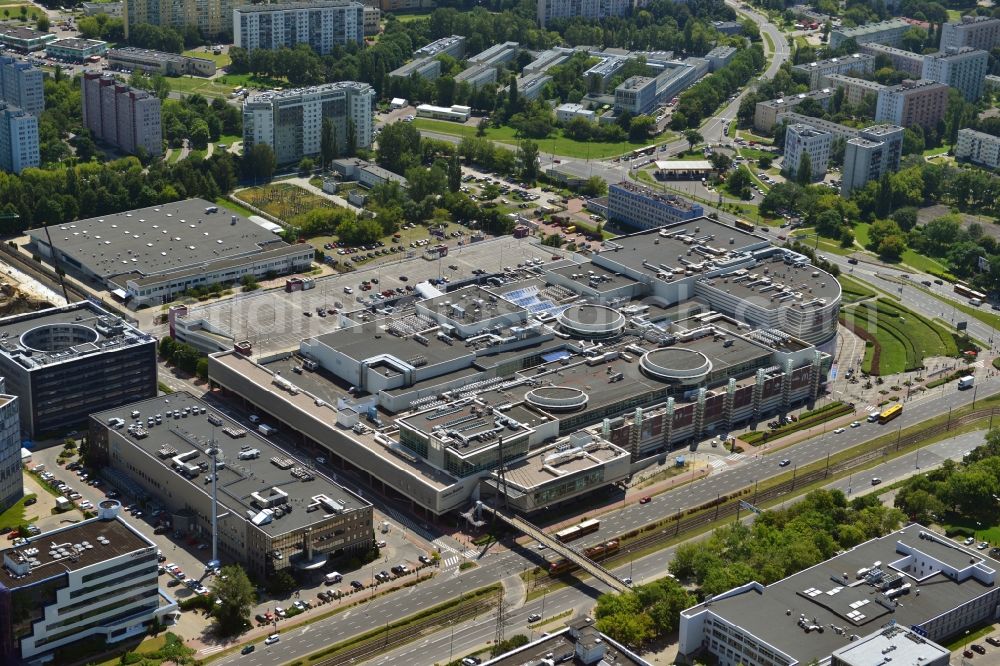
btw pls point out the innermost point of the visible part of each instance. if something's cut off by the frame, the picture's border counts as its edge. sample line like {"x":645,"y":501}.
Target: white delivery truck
{"x":266,"y":430}
{"x":966,"y":382}
{"x":333,"y":578}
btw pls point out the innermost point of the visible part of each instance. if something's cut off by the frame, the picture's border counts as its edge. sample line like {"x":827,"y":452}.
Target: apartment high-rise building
{"x":977,"y":32}
{"x":322,"y":25}
{"x":21,"y":85}
{"x":875,"y":151}
{"x":978,"y":147}
{"x":593,"y":10}
{"x":961,"y":68}
{"x":122,"y":116}
{"x":801,"y":140}
{"x":859,"y":63}
{"x":905,"y":61}
{"x":912,"y":103}
{"x":888,"y":32}
{"x":18,"y":139}
{"x":291,"y":121}
{"x":212,"y":17}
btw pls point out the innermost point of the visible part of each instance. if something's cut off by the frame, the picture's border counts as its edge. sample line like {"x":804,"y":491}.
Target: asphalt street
{"x":468,"y":637}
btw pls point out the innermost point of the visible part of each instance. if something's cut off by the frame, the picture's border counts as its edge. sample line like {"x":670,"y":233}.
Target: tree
{"x":721,"y":162}
{"x":281,"y":583}
{"x":328,"y":143}
{"x":804,"y":175}
{"x":454,"y":174}
{"x":693,"y":137}
{"x":640,"y":128}
{"x":260,"y":162}
{"x":43,"y":23}
{"x":236,"y":593}
{"x":738,"y":184}
{"x":595,"y":187}
{"x":306,"y":166}
{"x":527,"y":158}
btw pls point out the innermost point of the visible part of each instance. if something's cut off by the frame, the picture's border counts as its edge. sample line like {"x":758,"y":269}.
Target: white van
{"x":975,"y":301}
{"x":254,"y":418}
{"x":333,"y":578}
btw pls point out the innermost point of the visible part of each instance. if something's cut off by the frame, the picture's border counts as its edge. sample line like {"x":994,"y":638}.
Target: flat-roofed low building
{"x":64,"y":363}
{"x":568,"y":111}
{"x":547,"y":59}
{"x":910,"y":588}
{"x":477,"y":75}
{"x":24,"y":39}
{"x":370,"y":175}
{"x":149,"y":255}
{"x":453,"y":46}
{"x":636,"y":94}
{"x":720,"y":56}
{"x":427,"y":67}
{"x":836,"y":129}
{"x":93,"y":579}
{"x":76,"y":49}
{"x":531,"y":86}
{"x":168,"y":64}
{"x":456,"y":113}
{"x":497,"y":55}
{"x":278,"y":512}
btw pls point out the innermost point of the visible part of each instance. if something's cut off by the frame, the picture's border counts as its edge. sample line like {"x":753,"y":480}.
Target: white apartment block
{"x":291,"y":121}
{"x":978,"y":147}
{"x":977,"y":32}
{"x":961,"y":68}
{"x":18,"y":139}
{"x":875,"y":151}
{"x":803,"y":140}
{"x":888,"y":32}
{"x":858,"y":63}
{"x":21,"y":85}
{"x":593,"y":10}
{"x":322,"y":25}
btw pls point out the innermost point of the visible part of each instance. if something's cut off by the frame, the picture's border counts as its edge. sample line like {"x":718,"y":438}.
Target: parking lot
{"x":275,"y":321}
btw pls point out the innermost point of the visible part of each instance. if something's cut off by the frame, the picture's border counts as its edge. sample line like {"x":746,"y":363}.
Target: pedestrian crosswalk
{"x":443,"y":547}
{"x":212,"y":650}
{"x":450,"y":561}
{"x":717,"y":463}
{"x":470,"y":553}
{"x":733,"y":457}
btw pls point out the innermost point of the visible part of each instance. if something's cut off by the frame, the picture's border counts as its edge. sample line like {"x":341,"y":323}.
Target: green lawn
{"x":233,"y":206}
{"x":558,"y":145}
{"x":940,"y":150}
{"x":768,"y":41}
{"x":222,"y":60}
{"x":14,"y":516}
{"x":416,"y":16}
{"x":854,"y":290}
{"x":922,"y":263}
{"x":190,"y":85}
{"x":861,"y":233}
{"x":902,"y":337}
{"x":173,"y":155}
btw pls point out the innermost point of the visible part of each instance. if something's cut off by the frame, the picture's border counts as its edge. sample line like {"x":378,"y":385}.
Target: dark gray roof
{"x":239,"y":478}
{"x":157,"y":239}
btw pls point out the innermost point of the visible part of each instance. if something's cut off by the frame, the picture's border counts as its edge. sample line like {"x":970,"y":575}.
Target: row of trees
{"x":780,"y":543}
{"x":643,"y":613}
{"x":700,"y":100}
{"x":958,"y":489}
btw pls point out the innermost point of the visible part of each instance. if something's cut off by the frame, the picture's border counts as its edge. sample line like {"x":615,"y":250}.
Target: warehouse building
{"x":852,"y":607}
{"x":24,"y":40}
{"x":49,"y":588}
{"x":158,"y":62}
{"x":148,"y":256}
{"x":76,"y":50}
{"x":276,"y":512}
{"x":64,"y":363}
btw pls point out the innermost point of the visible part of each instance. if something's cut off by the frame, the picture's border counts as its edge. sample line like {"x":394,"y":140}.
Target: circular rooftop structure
{"x":676,"y":365}
{"x":58,"y":337}
{"x":556,"y":398}
{"x":591,"y":321}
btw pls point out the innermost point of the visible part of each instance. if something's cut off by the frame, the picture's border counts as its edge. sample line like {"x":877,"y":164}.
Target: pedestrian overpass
{"x":585,"y":563}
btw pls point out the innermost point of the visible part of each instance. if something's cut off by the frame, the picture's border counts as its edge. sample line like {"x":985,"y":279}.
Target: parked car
{"x":645,"y":500}
{"x":357,"y":585}
{"x":976,"y":647}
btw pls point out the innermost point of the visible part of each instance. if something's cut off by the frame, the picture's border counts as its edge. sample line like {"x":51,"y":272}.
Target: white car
{"x":272,"y":639}
{"x":838,"y":431}
{"x":969,"y":541}
{"x":856,"y":424}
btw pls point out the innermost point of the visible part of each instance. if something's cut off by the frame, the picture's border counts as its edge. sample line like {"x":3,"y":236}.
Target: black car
{"x":993,"y":641}
{"x":976,"y":647}
{"x":247,"y":649}
{"x":30,"y":501}
{"x":357,"y":585}
{"x":260,"y":618}
{"x":852,"y":261}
